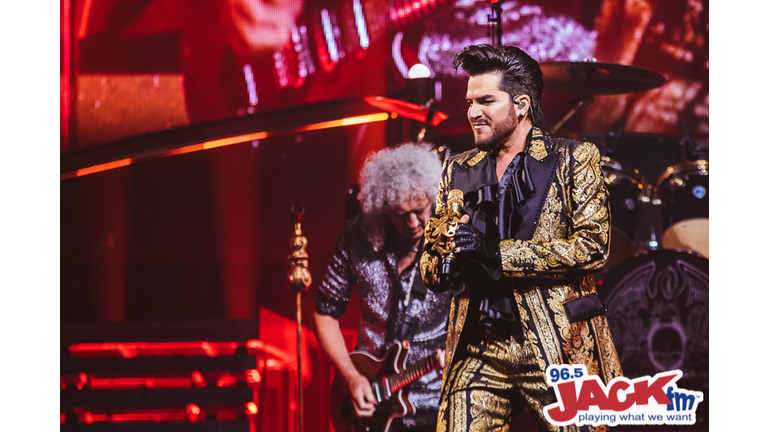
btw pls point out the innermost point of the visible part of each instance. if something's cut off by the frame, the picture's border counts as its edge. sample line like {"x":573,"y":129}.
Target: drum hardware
{"x":682,"y":196}
{"x":421,"y":113}
{"x":590,"y":78}
{"x":628,"y":191}
{"x":693,"y":150}
{"x":593,"y":78}
{"x":430,"y":106}
{"x":578,"y":103}
{"x":614,"y":137}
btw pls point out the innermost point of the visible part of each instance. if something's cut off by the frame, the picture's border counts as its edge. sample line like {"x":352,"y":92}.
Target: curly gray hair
{"x":391,"y":177}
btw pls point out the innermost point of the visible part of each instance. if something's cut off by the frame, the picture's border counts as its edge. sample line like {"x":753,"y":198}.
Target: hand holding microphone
{"x":450,"y":224}
{"x":468,"y":239}
{"x":453,"y":242}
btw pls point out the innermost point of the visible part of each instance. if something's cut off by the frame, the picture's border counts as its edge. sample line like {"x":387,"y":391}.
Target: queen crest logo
{"x":585,"y":400}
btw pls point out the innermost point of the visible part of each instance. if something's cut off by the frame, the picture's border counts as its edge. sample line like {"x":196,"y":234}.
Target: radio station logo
{"x":585,"y":400}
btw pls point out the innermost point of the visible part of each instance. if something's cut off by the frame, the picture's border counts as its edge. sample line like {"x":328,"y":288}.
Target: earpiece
{"x":521,"y":105}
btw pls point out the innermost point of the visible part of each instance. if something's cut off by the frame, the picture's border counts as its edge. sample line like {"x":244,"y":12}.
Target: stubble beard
{"x":500,"y":133}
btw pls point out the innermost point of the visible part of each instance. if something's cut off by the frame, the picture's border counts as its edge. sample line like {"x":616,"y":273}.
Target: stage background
{"x":205,"y":235}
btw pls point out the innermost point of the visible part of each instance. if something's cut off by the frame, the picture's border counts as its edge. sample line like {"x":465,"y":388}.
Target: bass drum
{"x":658,"y":312}
{"x":627,"y":190}
{"x":682,"y":192}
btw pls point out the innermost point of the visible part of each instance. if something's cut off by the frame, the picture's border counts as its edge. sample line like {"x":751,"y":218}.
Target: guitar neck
{"x":324,"y":37}
{"x":412,"y":373}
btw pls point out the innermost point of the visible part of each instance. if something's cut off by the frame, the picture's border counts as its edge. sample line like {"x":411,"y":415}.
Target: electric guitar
{"x":389,"y":378}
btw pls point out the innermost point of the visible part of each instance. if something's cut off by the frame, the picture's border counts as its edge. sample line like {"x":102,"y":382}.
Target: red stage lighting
{"x":251,"y":408}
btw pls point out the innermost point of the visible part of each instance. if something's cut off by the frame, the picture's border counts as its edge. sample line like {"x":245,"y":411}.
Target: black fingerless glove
{"x":469,"y":240}
{"x":475,"y":247}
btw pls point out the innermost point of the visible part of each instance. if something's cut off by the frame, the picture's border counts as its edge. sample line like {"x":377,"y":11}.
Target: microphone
{"x":455,"y":211}
{"x":456,"y":202}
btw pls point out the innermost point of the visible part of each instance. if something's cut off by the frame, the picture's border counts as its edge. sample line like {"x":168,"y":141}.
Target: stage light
{"x":362,"y":30}
{"x":252,"y":376}
{"x":103,"y":167}
{"x":82,"y":380}
{"x":193,"y":409}
{"x":329,"y":35}
{"x":234,"y":140}
{"x":239,"y":139}
{"x":210,"y":350}
{"x":251,"y":408}
{"x":193,"y":412}
{"x":419,"y":71}
{"x":197,"y":379}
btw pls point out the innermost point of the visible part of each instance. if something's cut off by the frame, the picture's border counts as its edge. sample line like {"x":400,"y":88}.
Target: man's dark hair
{"x":520,"y":74}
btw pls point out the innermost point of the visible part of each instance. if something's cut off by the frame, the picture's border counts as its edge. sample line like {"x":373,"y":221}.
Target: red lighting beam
{"x":222,"y":142}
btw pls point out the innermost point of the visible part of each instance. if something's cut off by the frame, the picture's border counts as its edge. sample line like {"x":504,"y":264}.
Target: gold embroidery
{"x":544,"y":328}
{"x":550,"y":225}
{"x":450,"y":341}
{"x":477,"y":158}
{"x":609,"y":358}
{"x":488,"y":411}
{"x":547,"y":332}
{"x":538,"y":149}
{"x":551,"y":249}
{"x":441,"y":420}
{"x":531,"y":346}
{"x":462,"y":385}
{"x":459,"y":413}
{"x":580,"y":348}
{"x":558,"y":296}
{"x":428,"y":269}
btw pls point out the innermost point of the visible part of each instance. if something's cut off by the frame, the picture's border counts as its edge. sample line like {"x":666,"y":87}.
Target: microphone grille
{"x":456,"y":195}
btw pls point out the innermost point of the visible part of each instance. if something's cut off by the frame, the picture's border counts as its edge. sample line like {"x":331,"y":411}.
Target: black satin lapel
{"x":522,"y":183}
{"x":471,"y":178}
{"x":541,"y":174}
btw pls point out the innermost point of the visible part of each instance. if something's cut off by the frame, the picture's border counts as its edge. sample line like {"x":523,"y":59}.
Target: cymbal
{"x":598,"y":78}
{"x":406,"y":109}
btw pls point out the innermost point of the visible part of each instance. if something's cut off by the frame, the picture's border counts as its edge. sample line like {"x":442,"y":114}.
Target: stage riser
{"x":148,"y":365}
{"x":234,"y":426}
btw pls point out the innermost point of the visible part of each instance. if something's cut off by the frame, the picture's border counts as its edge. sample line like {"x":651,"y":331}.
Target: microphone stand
{"x":494,"y":22}
{"x":299,"y":280}
{"x":430,"y":107}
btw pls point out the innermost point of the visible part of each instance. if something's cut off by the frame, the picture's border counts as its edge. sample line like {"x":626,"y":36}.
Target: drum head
{"x":690,"y":234}
{"x":658,"y":311}
{"x":683,"y":194}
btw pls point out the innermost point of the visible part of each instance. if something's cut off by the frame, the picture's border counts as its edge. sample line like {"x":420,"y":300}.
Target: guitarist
{"x":377,"y":253}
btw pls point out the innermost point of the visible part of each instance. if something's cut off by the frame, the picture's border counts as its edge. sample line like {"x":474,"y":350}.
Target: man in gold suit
{"x":535,"y":225}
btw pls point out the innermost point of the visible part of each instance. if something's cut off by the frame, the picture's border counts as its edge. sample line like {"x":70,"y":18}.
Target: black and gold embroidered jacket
{"x":556,"y":236}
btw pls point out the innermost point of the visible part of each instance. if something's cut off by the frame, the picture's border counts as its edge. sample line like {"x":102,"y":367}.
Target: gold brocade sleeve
{"x":552,"y":252}
{"x":442,"y":188}
{"x":428,"y":263}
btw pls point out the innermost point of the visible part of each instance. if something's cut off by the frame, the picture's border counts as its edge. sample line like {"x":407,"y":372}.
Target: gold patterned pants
{"x":493,"y":377}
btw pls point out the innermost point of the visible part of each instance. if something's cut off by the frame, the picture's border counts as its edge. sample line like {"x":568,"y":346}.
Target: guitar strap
{"x":418,"y":292}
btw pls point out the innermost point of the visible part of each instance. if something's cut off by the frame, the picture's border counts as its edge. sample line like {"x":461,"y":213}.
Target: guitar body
{"x":390,"y":407}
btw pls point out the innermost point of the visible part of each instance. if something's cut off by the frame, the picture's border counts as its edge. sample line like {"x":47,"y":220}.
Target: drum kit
{"x":656,"y":283}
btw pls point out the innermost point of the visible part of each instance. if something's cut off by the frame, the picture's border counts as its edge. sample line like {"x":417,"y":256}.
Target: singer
{"x":377,"y":253}
{"x":535,"y":225}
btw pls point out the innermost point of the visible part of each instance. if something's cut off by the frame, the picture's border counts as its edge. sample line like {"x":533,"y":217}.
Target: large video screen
{"x":131,"y":67}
